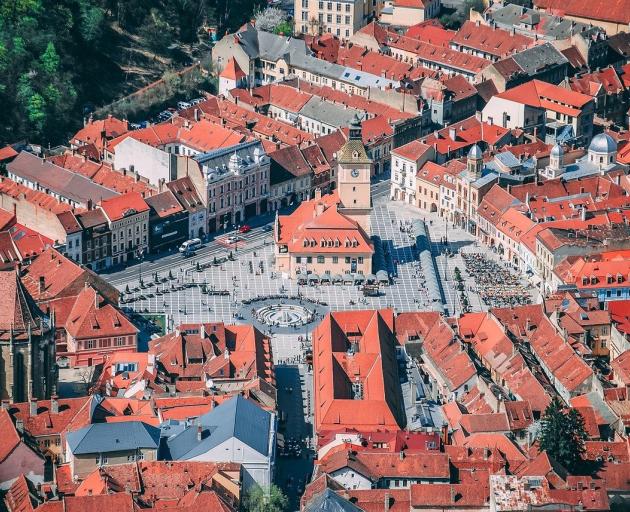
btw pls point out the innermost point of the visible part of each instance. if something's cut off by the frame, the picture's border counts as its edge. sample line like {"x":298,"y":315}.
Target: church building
{"x":329,"y":236}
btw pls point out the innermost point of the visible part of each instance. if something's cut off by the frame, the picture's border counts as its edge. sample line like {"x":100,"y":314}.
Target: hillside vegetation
{"x":60,"y":59}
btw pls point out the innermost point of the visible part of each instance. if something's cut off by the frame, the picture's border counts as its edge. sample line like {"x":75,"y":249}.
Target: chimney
{"x":202,"y":330}
{"x":401,"y":455}
{"x":19,"y":425}
{"x":318,"y":193}
{"x":42,"y":284}
{"x":452,"y":133}
{"x":196,"y":114}
{"x":5,"y":404}
{"x":199,"y":431}
{"x":32,"y":406}
{"x":386,"y":502}
{"x":319,"y":209}
{"x":54,"y":404}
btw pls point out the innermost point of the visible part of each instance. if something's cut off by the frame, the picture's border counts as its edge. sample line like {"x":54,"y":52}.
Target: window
{"x":304,"y":4}
{"x":335,"y":259}
{"x":298,"y":259}
{"x":320,"y":259}
{"x":329,"y":18}
{"x":309,"y":259}
{"x":329,"y":6}
{"x":90,"y":343}
{"x":338,"y":19}
{"x":347,"y":259}
{"x":347,"y":7}
{"x":338,"y":7}
{"x":347,"y":20}
{"x":360,"y":259}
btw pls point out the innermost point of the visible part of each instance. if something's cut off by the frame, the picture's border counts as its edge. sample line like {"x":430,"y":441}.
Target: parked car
{"x":244,"y":229}
{"x":232,"y":239}
{"x":181,"y":105}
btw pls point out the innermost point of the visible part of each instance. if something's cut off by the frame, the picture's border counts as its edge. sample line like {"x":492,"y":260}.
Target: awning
{"x":313,"y":277}
{"x":301,"y":278}
{"x":337,"y":278}
{"x":325,"y":277}
{"x":348,"y":278}
{"x":382,"y":276}
{"x":370,"y":278}
{"x":359,"y":278}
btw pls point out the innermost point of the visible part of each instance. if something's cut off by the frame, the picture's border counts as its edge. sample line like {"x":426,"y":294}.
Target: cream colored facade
{"x":129,"y":237}
{"x":427,"y":194}
{"x":340,"y":18}
{"x":403,"y":16}
{"x":334,"y":246}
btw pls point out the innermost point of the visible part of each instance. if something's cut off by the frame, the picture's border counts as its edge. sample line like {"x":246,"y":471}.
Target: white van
{"x":190,"y":245}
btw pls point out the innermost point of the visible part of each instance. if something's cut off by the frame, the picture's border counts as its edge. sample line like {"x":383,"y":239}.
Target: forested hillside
{"x":62,"y":58}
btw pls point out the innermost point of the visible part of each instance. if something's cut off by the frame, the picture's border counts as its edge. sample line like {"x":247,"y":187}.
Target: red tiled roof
{"x":232,"y":71}
{"x":7,"y":152}
{"x":379,"y":407}
{"x":16,"y":312}
{"x":616,"y":11}
{"x":103,"y":174}
{"x":126,"y":204}
{"x":40,"y":199}
{"x":46,"y":422}
{"x":91,"y":317}
{"x":305,"y":231}
{"x":450,"y":495}
{"x":491,"y":40}
{"x":589,"y":83}
{"x":413,"y":150}
{"x":93,"y":131}
{"x":467,"y":132}
{"x":548,"y":96}
{"x":432,"y":32}
{"x":10,"y":438}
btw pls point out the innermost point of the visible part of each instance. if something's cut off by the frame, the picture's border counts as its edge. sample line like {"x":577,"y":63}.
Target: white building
{"x":238,"y":430}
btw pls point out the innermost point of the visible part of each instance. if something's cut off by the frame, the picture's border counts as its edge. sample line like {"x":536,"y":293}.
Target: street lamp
{"x":139,"y":254}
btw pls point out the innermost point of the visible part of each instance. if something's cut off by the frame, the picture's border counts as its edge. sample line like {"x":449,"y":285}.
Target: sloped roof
{"x":18,"y":309}
{"x":232,"y":71}
{"x":236,"y":418}
{"x":113,"y":437}
{"x":330,"y":501}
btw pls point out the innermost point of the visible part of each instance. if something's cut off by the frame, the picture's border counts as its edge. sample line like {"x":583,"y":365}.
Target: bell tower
{"x":354,"y":169}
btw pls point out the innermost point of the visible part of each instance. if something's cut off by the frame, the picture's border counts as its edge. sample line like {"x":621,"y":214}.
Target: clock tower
{"x":354,"y":169}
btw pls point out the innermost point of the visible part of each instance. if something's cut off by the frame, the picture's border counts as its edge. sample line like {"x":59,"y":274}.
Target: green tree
{"x":156,"y":31}
{"x":50,"y":60}
{"x":265,"y":500}
{"x":563,"y":434}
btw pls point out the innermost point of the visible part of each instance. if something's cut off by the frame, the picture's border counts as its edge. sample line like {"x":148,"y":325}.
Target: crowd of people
{"x":495,"y":284}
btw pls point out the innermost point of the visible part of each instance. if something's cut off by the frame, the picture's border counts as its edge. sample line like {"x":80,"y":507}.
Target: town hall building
{"x":329,"y":235}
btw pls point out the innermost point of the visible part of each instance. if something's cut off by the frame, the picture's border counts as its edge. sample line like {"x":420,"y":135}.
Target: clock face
{"x":355,"y":173}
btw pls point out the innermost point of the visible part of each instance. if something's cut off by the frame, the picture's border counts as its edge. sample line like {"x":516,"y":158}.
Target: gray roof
{"x":546,"y":26}
{"x":557,"y":150}
{"x":603,"y":143}
{"x":475,"y":152}
{"x":63,"y":182}
{"x":328,"y":113}
{"x":238,"y":418}
{"x":330,"y":501}
{"x":113,"y":437}
{"x":537,"y":58}
{"x":271,"y":47}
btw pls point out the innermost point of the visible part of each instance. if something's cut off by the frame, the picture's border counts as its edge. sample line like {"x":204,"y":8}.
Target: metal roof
{"x":237,"y":418}
{"x":113,"y":437}
{"x":330,"y":501}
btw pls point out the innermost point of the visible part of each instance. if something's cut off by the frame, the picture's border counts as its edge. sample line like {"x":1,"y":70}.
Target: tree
{"x":271,"y":18}
{"x":156,"y":31}
{"x":563,"y":434}
{"x":265,"y":500}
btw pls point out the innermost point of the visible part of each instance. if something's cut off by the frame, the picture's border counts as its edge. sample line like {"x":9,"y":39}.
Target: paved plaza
{"x":201,"y":291}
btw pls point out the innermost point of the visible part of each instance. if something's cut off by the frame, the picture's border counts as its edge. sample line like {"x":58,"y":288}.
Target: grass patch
{"x":159,"y":319}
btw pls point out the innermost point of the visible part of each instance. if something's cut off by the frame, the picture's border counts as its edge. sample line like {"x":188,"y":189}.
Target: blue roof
{"x":238,"y":418}
{"x":330,"y":501}
{"x":113,"y":437}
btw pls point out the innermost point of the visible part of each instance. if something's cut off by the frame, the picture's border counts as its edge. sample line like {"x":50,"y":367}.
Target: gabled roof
{"x":127,"y":204}
{"x":540,"y":94}
{"x":113,"y":437}
{"x":491,"y":40}
{"x":330,"y":501}
{"x":18,"y":310}
{"x":616,"y":11}
{"x":10,"y":439}
{"x":232,"y":71}
{"x":94,"y":131}
{"x":236,"y":418}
